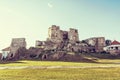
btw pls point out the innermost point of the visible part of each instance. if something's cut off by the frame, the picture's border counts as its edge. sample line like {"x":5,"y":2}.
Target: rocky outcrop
{"x":34,"y":53}
{"x":63,"y":56}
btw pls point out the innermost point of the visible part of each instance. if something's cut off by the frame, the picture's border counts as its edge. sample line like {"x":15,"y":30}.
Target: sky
{"x":31,"y":19}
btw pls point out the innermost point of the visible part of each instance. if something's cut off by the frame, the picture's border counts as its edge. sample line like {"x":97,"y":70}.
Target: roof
{"x":6,"y":49}
{"x":115,"y":43}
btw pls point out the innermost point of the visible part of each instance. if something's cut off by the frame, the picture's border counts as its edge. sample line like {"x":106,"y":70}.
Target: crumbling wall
{"x":15,"y":45}
{"x":34,"y":53}
{"x":47,"y":45}
{"x":38,"y":43}
{"x":97,"y":42}
{"x":100,"y":44}
{"x":73,"y":35}
{"x":77,"y":47}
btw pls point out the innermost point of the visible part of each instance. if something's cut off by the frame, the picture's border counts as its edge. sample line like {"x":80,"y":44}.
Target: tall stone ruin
{"x":100,"y":44}
{"x":57,"y":35}
{"x":16,"y":44}
{"x":73,"y":35}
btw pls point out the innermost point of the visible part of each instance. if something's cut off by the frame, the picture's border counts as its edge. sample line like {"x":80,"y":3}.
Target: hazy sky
{"x":32,"y":18}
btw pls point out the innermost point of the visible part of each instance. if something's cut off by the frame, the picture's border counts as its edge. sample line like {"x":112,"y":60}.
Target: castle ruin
{"x":58,"y":44}
{"x":57,"y":35}
{"x":69,"y":41}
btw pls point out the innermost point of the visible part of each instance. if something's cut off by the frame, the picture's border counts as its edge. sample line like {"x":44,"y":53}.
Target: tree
{"x":108,"y":42}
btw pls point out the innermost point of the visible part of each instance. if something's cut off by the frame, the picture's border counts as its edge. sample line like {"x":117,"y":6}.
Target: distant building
{"x":114,"y":48}
{"x":108,"y":42}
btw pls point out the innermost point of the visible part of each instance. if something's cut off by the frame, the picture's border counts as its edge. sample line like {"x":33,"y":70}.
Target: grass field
{"x":99,"y":62}
{"x":103,"y":69}
{"x":61,"y":74}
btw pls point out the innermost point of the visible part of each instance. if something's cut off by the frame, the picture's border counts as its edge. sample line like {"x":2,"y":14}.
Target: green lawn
{"x":104,"y":69}
{"x":61,"y":74}
{"x":99,"y":62}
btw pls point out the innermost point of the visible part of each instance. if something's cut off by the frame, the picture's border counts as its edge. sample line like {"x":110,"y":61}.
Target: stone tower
{"x":100,"y":43}
{"x":73,"y":35}
{"x":16,"y":44}
{"x":55,"y":34}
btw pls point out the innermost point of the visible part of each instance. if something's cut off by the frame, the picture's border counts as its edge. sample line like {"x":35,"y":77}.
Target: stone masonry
{"x":57,"y":35}
{"x":58,"y":43}
{"x":15,"y":45}
{"x":69,"y":41}
{"x":73,"y":35}
{"x":96,"y":43}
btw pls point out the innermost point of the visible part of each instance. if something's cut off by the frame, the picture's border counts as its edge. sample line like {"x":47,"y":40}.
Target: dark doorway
{"x":65,"y":36}
{"x":11,"y":55}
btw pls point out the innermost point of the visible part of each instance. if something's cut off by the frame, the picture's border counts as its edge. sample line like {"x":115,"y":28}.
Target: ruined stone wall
{"x":100,"y":43}
{"x":39,"y":44}
{"x":16,"y":44}
{"x":91,"y":41}
{"x":77,"y":47}
{"x":46,"y":45}
{"x":97,"y":42}
{"x":73,"y":35}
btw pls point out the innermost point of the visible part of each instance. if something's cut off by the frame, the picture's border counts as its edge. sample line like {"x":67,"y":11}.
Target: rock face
{"x":16,"y":44}
{"x":64,"y":56}
{"x":34,"y":53}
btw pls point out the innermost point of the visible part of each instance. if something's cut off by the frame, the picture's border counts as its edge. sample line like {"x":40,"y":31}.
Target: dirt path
{"x":52,"y":67}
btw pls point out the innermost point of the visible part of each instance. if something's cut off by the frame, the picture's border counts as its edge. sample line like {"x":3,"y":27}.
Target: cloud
{"x":50,"y":5}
